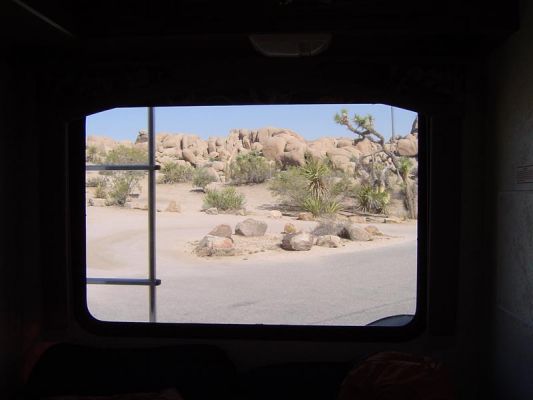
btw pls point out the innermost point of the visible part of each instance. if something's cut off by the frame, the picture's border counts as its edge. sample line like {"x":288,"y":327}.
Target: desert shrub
{"x":331,"y":206}
{"x":100,"y":185}
{"x":313,"y":188}
{"x":126,"y":155}
{"x":93,"y":154}
{"x":95,"y":181}
{"x":343,"y":187}
{"x":405,"y":166}
{"x":100,"y":191}
{"x":317,"y":175}
{"x":321,"y":205}
{"x":369,"y":199}
{"x":328,"y":162}
{"x":201,"y":178}
{"x":225,"y":199}
{"x":313,"y":205}
{"x":290,"y":186}
{"x":175,"y":173}
{"x":249,"y":168}
{"x":121,"y":185}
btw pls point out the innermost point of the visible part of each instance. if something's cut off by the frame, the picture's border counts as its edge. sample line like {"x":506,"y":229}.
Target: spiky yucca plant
{"x":316,"y":174}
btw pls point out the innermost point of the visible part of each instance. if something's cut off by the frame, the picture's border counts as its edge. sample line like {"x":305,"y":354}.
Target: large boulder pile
{"x":278,"y":145}
{"x":282,"y":146}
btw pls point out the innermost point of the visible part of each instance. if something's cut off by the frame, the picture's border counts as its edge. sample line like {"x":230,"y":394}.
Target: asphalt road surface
{"x":345,"y":288}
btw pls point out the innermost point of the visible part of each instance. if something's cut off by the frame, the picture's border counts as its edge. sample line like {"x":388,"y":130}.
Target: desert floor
{"x":352,"y":285}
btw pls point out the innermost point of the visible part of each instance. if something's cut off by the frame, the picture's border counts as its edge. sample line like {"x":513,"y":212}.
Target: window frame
{"x":81,"y":314}
{"x":150,"y":167}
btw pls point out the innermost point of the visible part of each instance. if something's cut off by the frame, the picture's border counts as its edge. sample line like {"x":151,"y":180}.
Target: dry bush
{"x":227,"y":199}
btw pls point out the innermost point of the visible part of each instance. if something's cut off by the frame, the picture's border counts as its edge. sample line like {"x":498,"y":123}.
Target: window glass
{"x":284,"y":215}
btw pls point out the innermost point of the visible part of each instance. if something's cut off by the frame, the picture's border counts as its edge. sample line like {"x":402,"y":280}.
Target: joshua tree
{"x":363,"y":128}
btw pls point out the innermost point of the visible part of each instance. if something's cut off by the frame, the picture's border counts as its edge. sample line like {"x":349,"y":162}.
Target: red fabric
{"x":397,"y":376}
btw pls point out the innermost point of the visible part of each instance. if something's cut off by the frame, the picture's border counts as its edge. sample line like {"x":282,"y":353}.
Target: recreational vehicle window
{"x":271,"y":216}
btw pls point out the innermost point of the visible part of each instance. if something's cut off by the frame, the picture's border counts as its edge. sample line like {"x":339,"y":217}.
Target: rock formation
{"x":282,"y":146}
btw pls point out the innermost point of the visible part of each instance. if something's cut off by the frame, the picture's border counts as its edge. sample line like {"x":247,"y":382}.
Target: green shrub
{"x":226,"y":199}
{"x":249,"y":168}
{"x":321,"y":206}
{"x":122,"y":183}
{"x":96,"y":181}
{"x":93,"y":155}
{"x":290,"y":186}
{"x":317,"y":175}
{"x":313,"y":205}
{"x":343,"y":187}
{"x":312,"y":188}
{"x":121,"y":186}
{"x":175,"y":173}
{"x":331,"y":206}
{"x":201,"y":178}
{"x":126,"y":155}
{"x":405,"y":166}
{"x":100,"y":191}
{"x":371,"y":200}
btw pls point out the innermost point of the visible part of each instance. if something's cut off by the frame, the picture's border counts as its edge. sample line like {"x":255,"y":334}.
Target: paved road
{"x":345,"y":288}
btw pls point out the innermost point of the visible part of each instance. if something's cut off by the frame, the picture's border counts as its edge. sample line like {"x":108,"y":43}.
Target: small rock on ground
{"x":328,"y":241}
{"x":222,"y":230}
{"x":357,"y":219}
{"x":373,"y":230}
{"x":305,"y":216}
{"x":251,"y":227}
{"x":289,"y":228}
{"x":215,"y":246}
{"x":297,"y":241}
{"x":97,"y":202}
{"x":393,"y":220}
{"x":173,"y":206}
{"x":357,"y":234}
{"x":275,"y":214}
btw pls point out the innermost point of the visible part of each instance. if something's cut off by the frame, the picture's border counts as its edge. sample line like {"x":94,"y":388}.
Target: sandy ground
{"x":265,"y":284}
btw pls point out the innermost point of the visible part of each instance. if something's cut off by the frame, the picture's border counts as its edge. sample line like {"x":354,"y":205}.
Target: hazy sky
{"x":310,"y":121}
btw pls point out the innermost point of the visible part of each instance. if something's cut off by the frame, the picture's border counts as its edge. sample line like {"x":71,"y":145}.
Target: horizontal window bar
{"x":123,"y":281}
{"x":121,"y":167}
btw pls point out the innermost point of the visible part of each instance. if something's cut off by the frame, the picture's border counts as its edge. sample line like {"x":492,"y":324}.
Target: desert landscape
{"x":260,"y":226}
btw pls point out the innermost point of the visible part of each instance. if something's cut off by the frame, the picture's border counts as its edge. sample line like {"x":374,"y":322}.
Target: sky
{"x":310,"y":121}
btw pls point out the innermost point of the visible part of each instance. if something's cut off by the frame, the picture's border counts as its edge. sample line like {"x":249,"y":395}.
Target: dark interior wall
{"x":9,"y":322}
{"x":439,"y":339}
{"x":511,"y":127}
{"x":473,"y":311}
{"x":20,"y":285}
{"x":34,"y":287}
{"x":38,"y":288}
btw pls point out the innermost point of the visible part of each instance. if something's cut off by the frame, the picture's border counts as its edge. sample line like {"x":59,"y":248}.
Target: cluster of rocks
{"x":216,"y":211}
{"x":220,"y":241}
{"x":172,"y":206}
{"x":327,"y":235}
{"x":278,"y":145}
